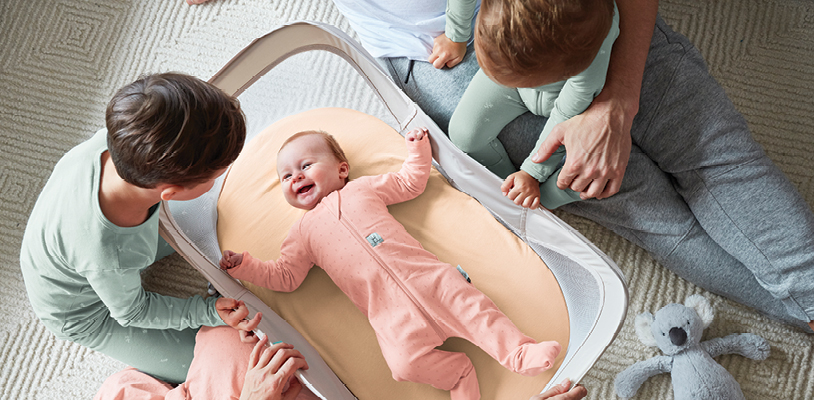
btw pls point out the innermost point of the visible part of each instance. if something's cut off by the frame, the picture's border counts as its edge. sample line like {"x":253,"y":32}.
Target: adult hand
{"x":561,"y":392}
{"x":446,"y":53}
{"x":234,"y":313}
{"x":597,"y":144}
{"x":270,"y":373}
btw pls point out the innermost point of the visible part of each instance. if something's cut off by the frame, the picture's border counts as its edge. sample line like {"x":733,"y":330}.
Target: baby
{"x":414,"y":302}
{"x":547,"y":57}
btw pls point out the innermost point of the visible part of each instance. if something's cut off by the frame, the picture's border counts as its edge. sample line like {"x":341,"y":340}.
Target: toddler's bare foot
{"x":194,"y":2}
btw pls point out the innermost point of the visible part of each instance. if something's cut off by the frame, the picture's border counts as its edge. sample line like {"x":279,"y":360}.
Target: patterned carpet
{"x":61,"y":60}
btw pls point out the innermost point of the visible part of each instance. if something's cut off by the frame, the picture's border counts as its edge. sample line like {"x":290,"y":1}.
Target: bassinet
{"x":592,"y":285}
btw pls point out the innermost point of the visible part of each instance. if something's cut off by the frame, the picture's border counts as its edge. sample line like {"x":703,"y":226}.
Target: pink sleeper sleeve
{"x":411,"y":179}
{"x":282,"y":275}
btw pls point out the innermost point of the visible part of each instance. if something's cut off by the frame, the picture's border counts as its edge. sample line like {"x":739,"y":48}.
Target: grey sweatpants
{"x":699,"y":194}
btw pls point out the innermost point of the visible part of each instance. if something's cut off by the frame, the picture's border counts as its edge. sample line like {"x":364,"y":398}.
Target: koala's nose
{"x":678,"y":336}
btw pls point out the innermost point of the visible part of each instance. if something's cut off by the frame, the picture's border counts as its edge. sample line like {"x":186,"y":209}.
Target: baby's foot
{"x":194,"y":2}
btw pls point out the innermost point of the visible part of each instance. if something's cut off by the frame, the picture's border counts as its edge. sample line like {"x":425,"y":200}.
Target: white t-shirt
{"x":396,"y":28}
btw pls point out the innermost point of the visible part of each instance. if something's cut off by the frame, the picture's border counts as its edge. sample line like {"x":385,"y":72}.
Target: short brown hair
{"x":172,"y":128}
{"x":514,"y":39}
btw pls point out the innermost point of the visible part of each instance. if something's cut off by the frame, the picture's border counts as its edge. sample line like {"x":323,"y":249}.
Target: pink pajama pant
{"x":217,"y":372}
{"x":411,"y":354}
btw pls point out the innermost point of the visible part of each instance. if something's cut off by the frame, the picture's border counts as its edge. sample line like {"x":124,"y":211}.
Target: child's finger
{"x":248,"y":336}
{"x":535,"y":204}
{"x":507,"y":185}
{"x":250,"y":324}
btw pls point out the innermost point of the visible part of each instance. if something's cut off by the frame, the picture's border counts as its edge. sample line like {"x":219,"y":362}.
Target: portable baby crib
{"x":592,"y":285}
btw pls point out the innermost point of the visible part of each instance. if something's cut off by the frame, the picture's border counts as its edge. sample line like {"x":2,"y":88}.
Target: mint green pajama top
{"x":79,"y":268}
{"x":557,"y":101}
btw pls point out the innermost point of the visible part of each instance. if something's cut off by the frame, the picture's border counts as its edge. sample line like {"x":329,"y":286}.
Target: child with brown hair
{"x":547,"y":57}
{"x":94,"y":227}
{"x":413,"y":301}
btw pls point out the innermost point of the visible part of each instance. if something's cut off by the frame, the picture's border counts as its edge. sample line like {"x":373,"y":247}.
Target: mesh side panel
{"x":198,"y":219}
{"x":579,"y":288}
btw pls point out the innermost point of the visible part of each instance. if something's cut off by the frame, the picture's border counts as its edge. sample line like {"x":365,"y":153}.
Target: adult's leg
{"x":701,"y":196}
{"x":737,"y":194}
{"x":163,"y":354}
{"x":649,"y":212}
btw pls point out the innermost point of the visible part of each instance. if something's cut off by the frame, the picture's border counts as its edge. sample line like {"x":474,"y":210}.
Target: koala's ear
{"x":701,"y":306}
{"x":643,"y":322}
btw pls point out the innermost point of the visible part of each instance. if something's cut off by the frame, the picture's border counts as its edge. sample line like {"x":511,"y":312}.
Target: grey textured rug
{"x":61,"y":60}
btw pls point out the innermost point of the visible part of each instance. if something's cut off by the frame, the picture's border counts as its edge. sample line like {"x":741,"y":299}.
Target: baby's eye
{"x":286,"y":177}
{"x":305,"y":166}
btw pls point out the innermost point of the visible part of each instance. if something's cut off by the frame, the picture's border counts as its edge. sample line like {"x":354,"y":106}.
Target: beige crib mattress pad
{"x":253,"y":216}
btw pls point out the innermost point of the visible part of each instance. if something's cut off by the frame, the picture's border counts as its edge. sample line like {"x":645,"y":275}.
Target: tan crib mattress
{"x":254,"y":217}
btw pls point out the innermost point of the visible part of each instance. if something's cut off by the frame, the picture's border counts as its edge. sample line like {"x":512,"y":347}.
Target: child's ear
{"x":168,"y":192}
{"x":344,"y":169}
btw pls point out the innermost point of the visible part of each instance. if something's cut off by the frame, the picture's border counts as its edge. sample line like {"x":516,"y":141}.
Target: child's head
{"x":311,"y":165}
{"x":173,"y":129}
{"x":529,"y":43}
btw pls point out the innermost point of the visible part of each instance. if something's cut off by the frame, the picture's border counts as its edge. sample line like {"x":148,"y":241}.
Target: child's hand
{"x":234,"y":313}
{"x":416,"y":135}
{"x":522,"y":189}
{"x":230,"y":259}
{"x":445,"y":52}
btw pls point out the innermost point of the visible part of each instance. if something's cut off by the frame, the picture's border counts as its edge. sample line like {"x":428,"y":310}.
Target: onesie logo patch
{"x":465,"y":275}
{"x":374,"y":239}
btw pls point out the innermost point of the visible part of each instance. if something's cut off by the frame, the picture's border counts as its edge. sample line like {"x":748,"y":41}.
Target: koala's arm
{"x":627,"y":383}
{"x":746,"y":344}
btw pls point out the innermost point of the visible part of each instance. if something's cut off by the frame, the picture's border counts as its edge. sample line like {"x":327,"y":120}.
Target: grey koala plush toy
{"x":676,"y":329}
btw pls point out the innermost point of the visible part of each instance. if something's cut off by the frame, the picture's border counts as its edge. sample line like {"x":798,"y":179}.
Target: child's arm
{"x":410,"y":181}
{"x":283,"y":275}
{"x":449,"y":48}
{"x":130,"y":305}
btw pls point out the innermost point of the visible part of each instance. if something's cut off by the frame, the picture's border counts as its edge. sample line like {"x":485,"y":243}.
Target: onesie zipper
{"x":364,"y":242}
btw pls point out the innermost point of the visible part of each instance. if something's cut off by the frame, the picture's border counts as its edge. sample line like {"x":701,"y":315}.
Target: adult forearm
{"x":624,"y":79}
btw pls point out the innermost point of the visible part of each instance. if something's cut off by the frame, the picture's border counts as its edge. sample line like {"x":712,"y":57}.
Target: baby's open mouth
{"x":305,"y":189}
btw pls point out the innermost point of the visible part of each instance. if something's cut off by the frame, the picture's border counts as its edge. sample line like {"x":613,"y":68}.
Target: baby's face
{"x":309,"y":171}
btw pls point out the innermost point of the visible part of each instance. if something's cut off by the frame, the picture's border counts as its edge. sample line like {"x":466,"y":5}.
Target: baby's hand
{"x":445,"y":52}
{"x":416,"y":134}
{"x":523,"y":189}
{"x":230,"y":259}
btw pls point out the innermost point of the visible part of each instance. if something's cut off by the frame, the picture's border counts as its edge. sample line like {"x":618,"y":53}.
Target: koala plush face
{"x":676,"y":327}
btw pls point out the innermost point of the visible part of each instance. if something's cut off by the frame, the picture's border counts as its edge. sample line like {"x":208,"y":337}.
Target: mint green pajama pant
{"x":484,"y":110}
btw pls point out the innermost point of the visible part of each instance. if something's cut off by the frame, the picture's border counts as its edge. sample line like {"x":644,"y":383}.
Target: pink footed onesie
{"x":413,"y":301}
